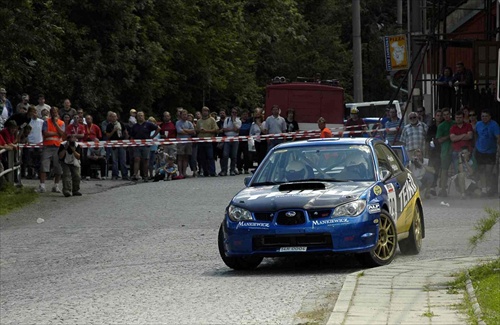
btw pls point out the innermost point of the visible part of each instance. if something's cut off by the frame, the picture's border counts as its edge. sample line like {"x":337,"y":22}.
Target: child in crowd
{"x":167,"y":171}
{"x":133,"y":117}
{"x":171,"y":169}
{"x":465,"y":180}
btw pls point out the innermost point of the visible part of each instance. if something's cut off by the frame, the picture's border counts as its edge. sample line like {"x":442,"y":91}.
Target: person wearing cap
{"x":5,"y":106}
{"x":41,"y":105}
{"x":325,"y":132}
{"x":23,"y":106}
{"x":133,"y":117}
{"x":355,"y":124}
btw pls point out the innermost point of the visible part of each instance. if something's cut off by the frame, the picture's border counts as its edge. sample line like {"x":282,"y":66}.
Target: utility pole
{"x":356,"y":52}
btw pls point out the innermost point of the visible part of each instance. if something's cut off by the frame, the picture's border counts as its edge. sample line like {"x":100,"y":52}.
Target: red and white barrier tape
{"x":150,"y":142}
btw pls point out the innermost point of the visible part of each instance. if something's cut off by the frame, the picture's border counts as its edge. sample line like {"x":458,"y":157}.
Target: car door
{"x":395,"y":183}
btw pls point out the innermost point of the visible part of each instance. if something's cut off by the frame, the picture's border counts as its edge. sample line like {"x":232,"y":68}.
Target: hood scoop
{"x":301,"y":186}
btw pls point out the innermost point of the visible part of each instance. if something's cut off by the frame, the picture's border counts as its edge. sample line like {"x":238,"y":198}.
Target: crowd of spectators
{"x":64,"y":131}
{"x":439,"y":145}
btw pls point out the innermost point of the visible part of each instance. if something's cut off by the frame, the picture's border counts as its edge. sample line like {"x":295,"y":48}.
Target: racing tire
{"x":237,"y":263}
{"x":413,"y":244}
{"x":387,"y":242}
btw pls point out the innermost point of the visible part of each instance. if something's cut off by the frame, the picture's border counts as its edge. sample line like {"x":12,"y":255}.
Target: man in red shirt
{"x":461,"y":135}
{"x":9,"y":133}
{"x":168,"y":131}
{"x":6,"y":146}
{"x":92,"y":131}
{"x":77,"y":128}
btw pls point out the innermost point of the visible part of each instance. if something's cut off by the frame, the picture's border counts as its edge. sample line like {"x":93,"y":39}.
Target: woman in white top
{"x":257,"y":129}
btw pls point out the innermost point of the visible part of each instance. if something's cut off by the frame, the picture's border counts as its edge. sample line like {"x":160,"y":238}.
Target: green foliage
{"x":485,"y":279}
{"x":12,"y":198}
{"x":157,"y":55}
{"x":486,"y":282}
{"x":484,"y":225}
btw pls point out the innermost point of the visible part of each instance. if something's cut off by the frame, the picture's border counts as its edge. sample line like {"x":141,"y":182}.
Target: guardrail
{"x":14,"y":166}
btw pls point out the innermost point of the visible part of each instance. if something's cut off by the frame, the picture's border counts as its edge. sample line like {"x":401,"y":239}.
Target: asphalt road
{"x":147,"y":254}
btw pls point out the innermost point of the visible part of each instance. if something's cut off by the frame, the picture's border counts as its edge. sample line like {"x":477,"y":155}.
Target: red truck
{"x":311,"y":100}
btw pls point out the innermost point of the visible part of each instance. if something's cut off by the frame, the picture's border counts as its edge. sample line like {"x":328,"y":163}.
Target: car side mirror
{"x":384,"y":173}
{"x":247,"y":180}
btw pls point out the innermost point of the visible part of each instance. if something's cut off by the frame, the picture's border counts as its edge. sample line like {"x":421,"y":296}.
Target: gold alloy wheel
{"x":417,"y":228}
{"x":387,"y":239}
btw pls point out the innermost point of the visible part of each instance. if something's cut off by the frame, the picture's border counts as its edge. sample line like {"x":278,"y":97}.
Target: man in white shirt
{"x":33,"y":155}
{"x":41,"y":105}
{"x":231,"y":128}
{"x":275,"y":124}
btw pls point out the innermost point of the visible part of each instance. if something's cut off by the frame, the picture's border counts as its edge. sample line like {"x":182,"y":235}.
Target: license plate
{"x":293,"y":249}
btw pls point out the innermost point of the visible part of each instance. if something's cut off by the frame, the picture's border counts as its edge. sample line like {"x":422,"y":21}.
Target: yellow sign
{"x":396,"y":52}
{"x":377,"y":190}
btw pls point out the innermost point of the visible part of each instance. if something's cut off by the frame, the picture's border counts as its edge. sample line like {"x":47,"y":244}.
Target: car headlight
{"x":238,"y":214}
{"x":351,"y":209}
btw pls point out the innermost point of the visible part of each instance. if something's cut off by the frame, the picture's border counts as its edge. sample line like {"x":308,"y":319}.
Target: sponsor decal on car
{"x":392,"y":200}
{"x":251,"y":224}
{"x":330,"y":221}
{"x":373,"y":208}
{"x":281,"y":194}
{"x":377,"y":190}
{"x":409,"y":189}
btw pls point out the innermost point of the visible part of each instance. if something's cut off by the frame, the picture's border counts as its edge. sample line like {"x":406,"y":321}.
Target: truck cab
{"x":310,"y":100}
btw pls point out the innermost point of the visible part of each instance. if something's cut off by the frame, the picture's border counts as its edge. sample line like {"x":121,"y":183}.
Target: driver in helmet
{"x":295,"y":171}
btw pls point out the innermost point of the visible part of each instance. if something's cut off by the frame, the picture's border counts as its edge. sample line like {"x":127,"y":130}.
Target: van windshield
{"x":371,"y":109}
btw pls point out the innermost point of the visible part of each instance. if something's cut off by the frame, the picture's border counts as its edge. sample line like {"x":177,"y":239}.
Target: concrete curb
{"x":472,"y":296}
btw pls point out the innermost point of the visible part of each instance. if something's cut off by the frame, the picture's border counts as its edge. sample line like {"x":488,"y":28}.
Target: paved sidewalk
{"x":413,"y":293}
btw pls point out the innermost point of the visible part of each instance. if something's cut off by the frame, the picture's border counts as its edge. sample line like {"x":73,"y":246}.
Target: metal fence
{"x":13,"y":165}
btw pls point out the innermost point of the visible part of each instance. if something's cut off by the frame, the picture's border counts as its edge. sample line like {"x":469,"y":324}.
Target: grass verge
{"x":486,"y":281}
{"x":12,"y":198}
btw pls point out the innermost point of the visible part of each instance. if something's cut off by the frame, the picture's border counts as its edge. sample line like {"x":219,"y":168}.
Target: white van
{"x":373,"y":109}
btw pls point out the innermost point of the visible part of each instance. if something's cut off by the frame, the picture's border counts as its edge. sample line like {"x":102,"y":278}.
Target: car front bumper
{"x":332,"y":235}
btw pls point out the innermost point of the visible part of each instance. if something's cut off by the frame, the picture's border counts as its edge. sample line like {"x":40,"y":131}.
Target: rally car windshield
{"x":317,"y":163}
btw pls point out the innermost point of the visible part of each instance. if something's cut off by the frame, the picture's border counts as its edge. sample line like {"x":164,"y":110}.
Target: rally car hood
{"x":305,"y":195}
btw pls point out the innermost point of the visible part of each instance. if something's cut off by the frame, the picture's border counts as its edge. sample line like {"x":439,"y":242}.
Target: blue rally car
{"x":325,"y":196}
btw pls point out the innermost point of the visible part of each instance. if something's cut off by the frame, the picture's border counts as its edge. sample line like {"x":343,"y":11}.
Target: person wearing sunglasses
{"x":413,"y":135}
{"x":473,"y":119}
{"x":423,"y":117}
